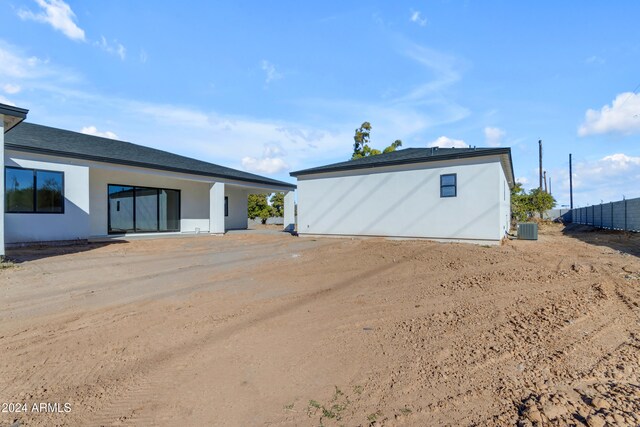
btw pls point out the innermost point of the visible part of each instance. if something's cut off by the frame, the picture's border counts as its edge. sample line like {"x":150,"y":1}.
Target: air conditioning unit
{"x":528,"y":231}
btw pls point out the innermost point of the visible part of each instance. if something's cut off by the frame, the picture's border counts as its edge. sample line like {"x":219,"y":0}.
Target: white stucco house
{"x":62,"y":185}
{"x":449,"y":194}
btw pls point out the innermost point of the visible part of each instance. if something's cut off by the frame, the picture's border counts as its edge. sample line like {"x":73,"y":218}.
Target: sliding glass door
{"x":146,"y":218}
{"x":169,"y":209}
{"x":142,"y":209}
{"x":120,"y":209}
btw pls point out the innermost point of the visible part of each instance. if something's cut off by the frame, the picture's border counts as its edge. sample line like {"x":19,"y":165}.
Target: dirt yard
{"x":270,"y":329}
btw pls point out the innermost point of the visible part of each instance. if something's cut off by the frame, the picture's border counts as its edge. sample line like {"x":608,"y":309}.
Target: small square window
{"x":448,"y":185}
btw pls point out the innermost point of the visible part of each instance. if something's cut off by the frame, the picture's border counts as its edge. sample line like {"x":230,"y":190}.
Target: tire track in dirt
{"x":64,"y":372}
{"x":194,"y":269}
{"x":59,"y":364}
{"x":559,"y":329}
{"x":158,"y":380}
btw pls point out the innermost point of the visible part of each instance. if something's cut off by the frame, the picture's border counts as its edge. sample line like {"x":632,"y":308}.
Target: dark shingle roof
{"x":410,"y":155}
{"x":58,"y":142}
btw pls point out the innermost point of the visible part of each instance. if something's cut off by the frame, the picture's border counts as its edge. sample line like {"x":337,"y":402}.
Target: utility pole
{"x":549,"y":185}
{"x":544,"y":174}
{"x":540,"y":161}
{"x":570,"y":183}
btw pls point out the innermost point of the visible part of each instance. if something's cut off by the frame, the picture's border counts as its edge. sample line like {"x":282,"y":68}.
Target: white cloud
{"x":18,"y":66}
{"x":32,"y":71}
{"x":164,"y":113}
{"x":622,"y":117}
{"x":58,"y":14}
{"x":208,"y":135}
{"x":272,"y":150}
{"x":608,"y":178}
{"x":267,"y":166}
{"x":271,"y":161}
{"x":409,"y":113}
{"x":270,"y":71}
{"x":92,"y":130}
{"x":493,"y":136}
{"x":11,"y":89}
{"x":6,"y":101}
{"x":227,"y":139}
{"x":444,"y":67}
{"x":114,"y":49}
{"x":144,"y":56}
{"x":523,"y":180}
{"x":416,"y":17}
{"x":616,"y":163}
{"x":446,"y":142}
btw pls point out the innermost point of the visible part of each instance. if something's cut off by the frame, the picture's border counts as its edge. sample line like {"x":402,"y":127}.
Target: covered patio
{"x":68,"y":186}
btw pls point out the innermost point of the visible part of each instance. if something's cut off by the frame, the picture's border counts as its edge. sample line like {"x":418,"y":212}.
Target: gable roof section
{"x":40,"y":139}
{"x":415,"y":155}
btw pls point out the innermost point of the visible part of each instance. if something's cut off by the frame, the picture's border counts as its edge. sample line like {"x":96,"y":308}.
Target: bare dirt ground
{"x":270,"y":329}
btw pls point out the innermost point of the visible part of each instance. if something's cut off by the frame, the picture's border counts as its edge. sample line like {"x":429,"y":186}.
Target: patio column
{"x":289,"y":211}
{"x":216,"y":208}
{"x":1,"y":185}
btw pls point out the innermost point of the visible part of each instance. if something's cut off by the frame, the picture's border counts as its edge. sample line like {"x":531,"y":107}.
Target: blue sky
{"x":271,"y":87}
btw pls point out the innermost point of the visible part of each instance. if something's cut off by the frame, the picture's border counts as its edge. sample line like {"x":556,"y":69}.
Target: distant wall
{"x":274,"y":220}
{"x":552,"y":214}
{"x":620,"y":215}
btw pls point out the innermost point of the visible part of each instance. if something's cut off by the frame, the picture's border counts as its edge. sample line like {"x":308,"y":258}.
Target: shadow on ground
{"x":623,"y":241}
{"x":39,"y":251}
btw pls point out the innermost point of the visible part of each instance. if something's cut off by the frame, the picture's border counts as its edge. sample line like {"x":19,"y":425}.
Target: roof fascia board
{"x":462,"y":162}
{"x":12,"y":116}
{"x":443,"y":157}
{"x":508,"y":170}
{"x":391,"y":164}
{"x":10,"y":110}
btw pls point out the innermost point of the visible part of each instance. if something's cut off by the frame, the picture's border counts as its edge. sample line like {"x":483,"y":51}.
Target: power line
{"x":630,"y":95}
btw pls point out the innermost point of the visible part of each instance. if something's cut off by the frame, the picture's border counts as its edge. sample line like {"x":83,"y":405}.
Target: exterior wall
{"x":194,"y":197}
{"x":552,"y":214}
{"x":274,"y":220}
{"x":70,"y":225}
{"x":238,"y":208}
{"x":404,"y":201}
{"x":86,"y":199}
{"x":289,"y":211}
{"x":505,"y":205}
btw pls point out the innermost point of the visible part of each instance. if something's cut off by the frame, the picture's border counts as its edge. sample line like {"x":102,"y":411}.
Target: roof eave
{"x":453,"y":156}
{"x":44,"y":151}
{"x":508,"y":171}
{"x":12,"y":116}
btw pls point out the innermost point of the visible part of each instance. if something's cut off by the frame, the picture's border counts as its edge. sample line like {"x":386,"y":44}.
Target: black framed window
{"x":142,"y":209}
{"x":448,"y":185}
{"x":226,"y":206}
{"x":33,"y":191}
